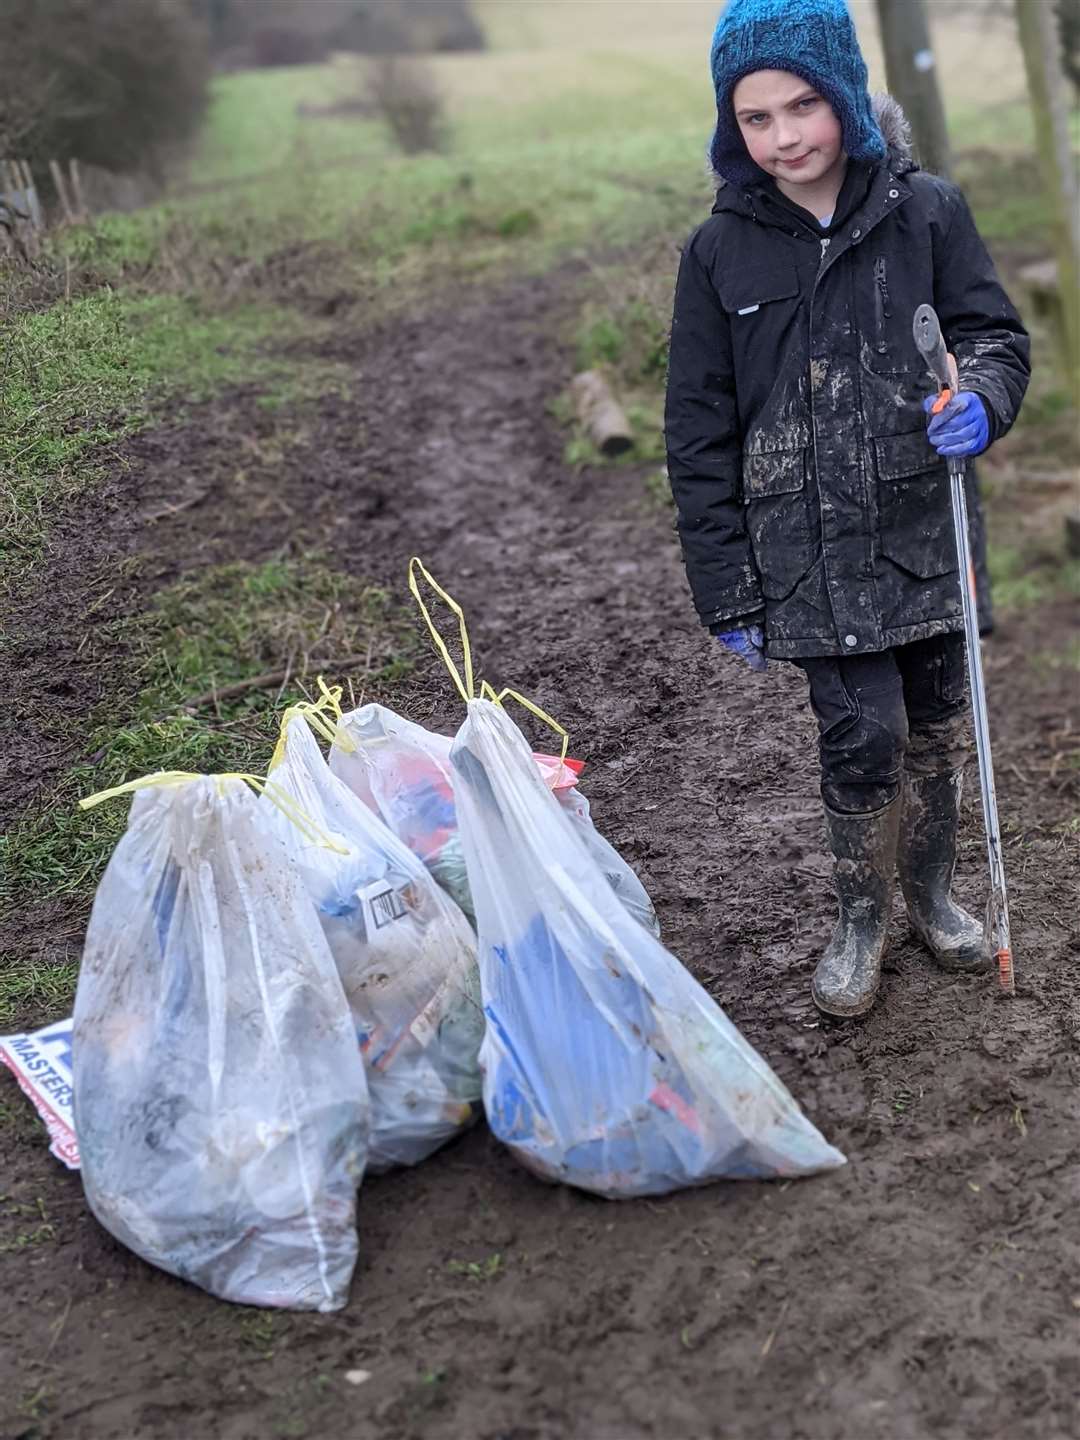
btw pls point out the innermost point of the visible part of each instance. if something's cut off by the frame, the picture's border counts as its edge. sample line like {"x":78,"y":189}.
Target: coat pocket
{"x":915,"y":527}
{"x":745,"y":294}
{"x":778,"y":518}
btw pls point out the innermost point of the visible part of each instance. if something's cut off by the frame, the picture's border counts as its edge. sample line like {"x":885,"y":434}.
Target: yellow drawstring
{"x":284,"y":802}
{"x":535,"y":709}
{"x":467,"y":688}
{"x":160,"y":777}
{"x":314,"y":711}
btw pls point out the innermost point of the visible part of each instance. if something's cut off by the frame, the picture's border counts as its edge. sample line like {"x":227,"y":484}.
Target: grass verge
{"x":225,"y":626}
{"x":77,"y":375}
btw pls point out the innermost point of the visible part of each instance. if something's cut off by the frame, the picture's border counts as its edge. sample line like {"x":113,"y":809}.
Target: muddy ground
{"x":929,"y":1289}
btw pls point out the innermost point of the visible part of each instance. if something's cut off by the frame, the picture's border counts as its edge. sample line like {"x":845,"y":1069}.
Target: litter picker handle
{"x":931,"y":346}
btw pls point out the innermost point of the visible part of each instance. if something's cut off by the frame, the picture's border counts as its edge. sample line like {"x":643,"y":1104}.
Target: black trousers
{"x":879,"y":714}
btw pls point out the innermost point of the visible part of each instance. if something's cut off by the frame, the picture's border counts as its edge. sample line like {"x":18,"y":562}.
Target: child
{"x":813,"y":499}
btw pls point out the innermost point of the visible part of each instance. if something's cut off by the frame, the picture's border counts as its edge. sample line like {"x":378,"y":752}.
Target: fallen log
{"x":601,"y":415}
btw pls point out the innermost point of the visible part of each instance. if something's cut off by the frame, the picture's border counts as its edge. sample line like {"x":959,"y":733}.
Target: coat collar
{"x":864,"y":202}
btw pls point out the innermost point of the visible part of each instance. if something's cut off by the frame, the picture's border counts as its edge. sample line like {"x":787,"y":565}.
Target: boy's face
{"x":788,"y":128}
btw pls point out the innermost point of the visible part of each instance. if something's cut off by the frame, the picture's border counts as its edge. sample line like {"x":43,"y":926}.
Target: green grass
{"x":79,"y":374}
{"x":227,"y":624}
{"x":1007,"y":198}
{"x":1024,"y":577}
{"x":477,"y":1269}
{"x":588,"y":152}
{"x":35,"y":989}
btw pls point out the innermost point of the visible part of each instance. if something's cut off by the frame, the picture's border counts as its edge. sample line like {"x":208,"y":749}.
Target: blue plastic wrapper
{"x":606,"y":1065}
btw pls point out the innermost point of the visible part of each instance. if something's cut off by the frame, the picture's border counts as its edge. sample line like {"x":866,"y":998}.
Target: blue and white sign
{"x":41,"y":1063}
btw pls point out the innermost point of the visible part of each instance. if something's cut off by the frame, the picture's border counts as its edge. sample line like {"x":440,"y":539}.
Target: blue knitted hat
{"x":813,"y":39}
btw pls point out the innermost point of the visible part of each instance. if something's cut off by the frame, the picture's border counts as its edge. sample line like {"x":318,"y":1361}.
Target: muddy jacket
{"x":797,"y":451}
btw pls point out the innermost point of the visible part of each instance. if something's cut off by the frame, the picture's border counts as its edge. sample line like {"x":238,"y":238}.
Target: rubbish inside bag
{"x":606,"y":1065}
{"x":403,"y":771}
{"x":221,"y":1104}
{"x":405,"y":953}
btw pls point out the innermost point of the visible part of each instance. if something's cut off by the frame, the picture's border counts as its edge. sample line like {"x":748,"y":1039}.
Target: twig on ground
{"x":363,"y":675}
{"x":169,"y":509}
{"x":285,"y":679}
{"x":775,"y":1330}
{"x":263,"y":682}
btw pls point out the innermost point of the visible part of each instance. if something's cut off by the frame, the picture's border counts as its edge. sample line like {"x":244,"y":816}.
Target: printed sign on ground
{"x":41,"y":1062}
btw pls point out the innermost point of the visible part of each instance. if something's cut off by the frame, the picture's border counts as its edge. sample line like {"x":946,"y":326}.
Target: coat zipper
{"x":882,"y":288}
{"x":822,"y":267}
{"x":882,"y":309}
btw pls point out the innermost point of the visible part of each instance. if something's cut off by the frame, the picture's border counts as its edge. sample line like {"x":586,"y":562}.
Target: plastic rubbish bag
{"x":606,"y":1065}
{"x":405,"y":953}
{"x":221,"y":1105}
{"x":403,"y":771}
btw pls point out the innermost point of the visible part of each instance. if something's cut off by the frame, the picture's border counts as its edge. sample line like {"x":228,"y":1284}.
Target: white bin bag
{"x":221,"y":1105}
{"x":606,"y":1065}
{"x":405,"y":953}
{"x":404,"y":772}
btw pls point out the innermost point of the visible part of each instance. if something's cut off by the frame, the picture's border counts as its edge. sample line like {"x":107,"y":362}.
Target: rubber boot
{"x":926,"y":860}
{"x":864,"y":846}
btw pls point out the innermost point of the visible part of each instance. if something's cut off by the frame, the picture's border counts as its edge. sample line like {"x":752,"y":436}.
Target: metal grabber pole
{"x":942,"y":366}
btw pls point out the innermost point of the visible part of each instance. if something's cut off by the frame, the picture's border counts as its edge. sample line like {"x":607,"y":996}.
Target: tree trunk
{"x":1046,"y":86}
{"x":912,"y":77}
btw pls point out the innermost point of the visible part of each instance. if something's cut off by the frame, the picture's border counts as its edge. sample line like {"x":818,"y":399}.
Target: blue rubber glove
{"x":748,"y":643}
{"x":962,"y":428}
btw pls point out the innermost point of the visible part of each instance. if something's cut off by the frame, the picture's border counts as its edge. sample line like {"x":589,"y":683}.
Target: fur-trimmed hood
{"x":894,"y":126}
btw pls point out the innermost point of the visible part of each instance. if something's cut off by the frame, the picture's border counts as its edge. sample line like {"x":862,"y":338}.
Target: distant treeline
{"x":113,"y":83}
{"x":297,"y":32}
{"x":122,"y":84}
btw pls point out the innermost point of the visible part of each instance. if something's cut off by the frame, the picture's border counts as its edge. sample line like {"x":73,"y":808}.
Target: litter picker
{"x":942,"y":366}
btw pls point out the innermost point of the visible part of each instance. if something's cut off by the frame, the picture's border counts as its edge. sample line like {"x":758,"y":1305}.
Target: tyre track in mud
{"x":925,"y":1290}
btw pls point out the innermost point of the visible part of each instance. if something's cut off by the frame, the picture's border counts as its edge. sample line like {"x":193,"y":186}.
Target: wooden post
{"x":10,"y":226}
{"x":61,"y":191}
{"x":912,"y":76}
{"x":1046,"y":85}
{"x":21,"y":220}
{"x":33,"y":201}
{"x":77,"y":191}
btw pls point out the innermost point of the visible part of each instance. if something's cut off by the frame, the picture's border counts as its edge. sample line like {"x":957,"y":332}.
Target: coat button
{"x":855,"y":234}
{"x":894,"y":194}
{"x":850,"y":640}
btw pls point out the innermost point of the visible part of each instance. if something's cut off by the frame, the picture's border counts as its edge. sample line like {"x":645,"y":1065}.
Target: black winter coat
{"x":796,"y":438}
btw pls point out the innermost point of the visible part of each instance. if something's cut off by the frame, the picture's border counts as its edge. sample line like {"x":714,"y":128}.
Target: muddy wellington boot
{"x":925,"y":860}
{"x":864,"y":846}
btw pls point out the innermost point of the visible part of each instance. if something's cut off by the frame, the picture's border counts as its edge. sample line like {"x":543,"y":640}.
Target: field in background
{"x":576,"y":105}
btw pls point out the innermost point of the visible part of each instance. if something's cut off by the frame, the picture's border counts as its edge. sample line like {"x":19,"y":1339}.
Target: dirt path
{"x":930,"y":1289}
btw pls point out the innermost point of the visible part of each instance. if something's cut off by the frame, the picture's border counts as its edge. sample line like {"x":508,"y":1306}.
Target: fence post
{"x":77,"y":191}
{"x":61,"y":191}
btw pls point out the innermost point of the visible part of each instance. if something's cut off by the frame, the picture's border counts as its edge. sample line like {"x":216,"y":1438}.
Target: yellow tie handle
{"x":467,"y":687}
